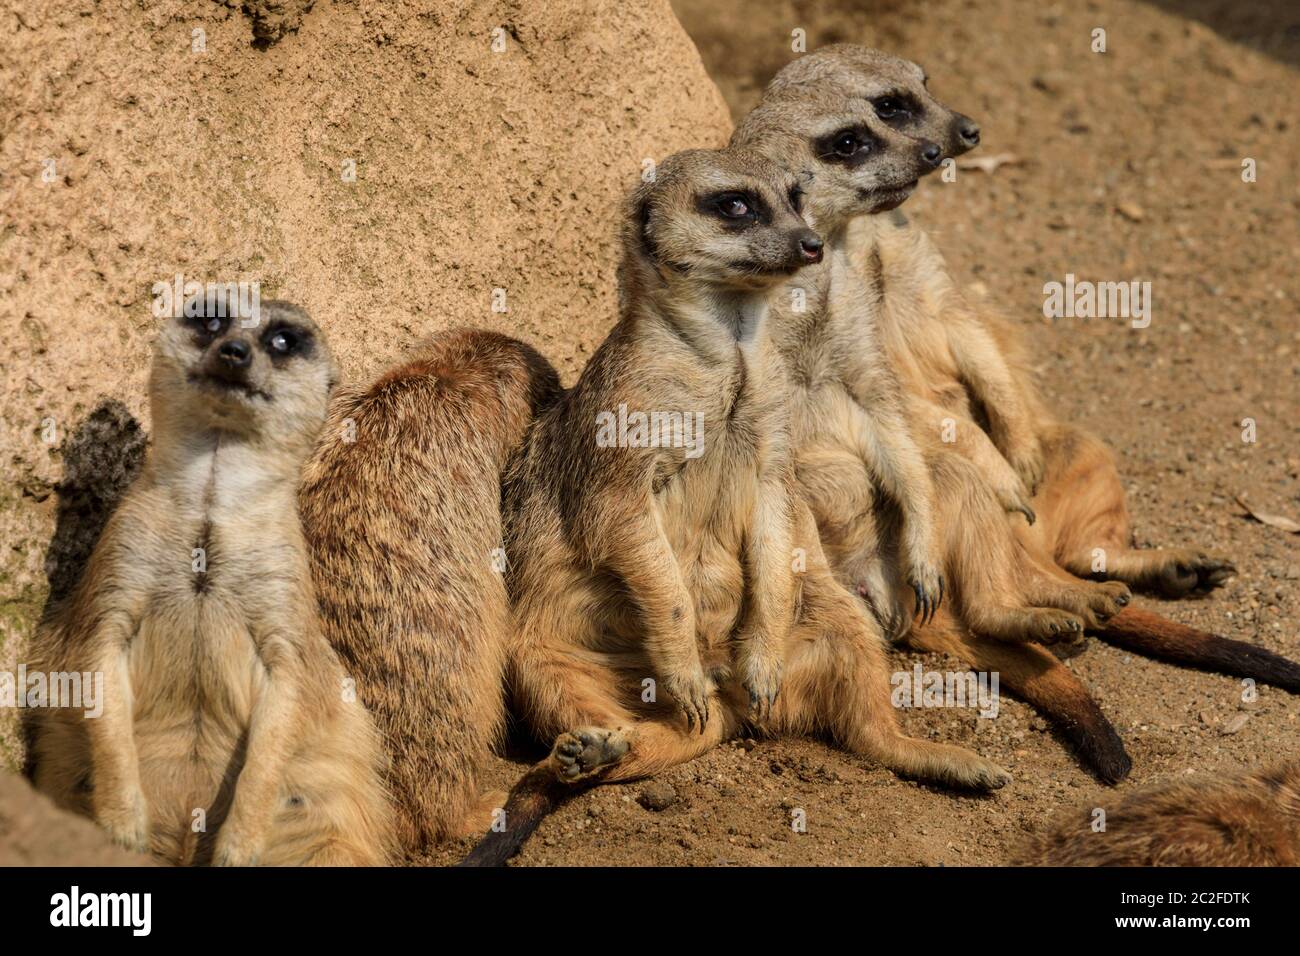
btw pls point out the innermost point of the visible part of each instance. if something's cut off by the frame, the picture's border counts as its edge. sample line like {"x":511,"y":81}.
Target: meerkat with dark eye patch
{"x":401,"y":507}
{"x":993,"y":574}
{"x":641,"y":561}
{"x":970,"y":367}
{"x":847,"y":401}
{"x":226,"y":734}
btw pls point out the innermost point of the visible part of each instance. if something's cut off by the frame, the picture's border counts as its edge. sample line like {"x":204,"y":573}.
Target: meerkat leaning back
{"x":970,"y":367}
{"x":225,"y":734}
{"x":647,"y":561}
{"x":401,"y":507}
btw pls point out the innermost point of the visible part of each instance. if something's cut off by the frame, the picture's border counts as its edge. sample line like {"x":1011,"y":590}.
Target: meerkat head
{"x":850,"y":163}
{"x":265,"y":378}
{"x":895,"y":88}
{"x":725,"y":218}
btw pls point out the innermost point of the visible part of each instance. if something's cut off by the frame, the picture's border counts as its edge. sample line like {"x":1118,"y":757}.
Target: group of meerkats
{"x":387,"y":570}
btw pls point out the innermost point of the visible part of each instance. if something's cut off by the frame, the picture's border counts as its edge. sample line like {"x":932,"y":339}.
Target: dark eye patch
{"x":737,"y":208}
{"x":847,"y":146}
{"x":205,"y":326}
{"x":284,"y":340}
{"x":796,"y":197}
{"x":897,"y":107}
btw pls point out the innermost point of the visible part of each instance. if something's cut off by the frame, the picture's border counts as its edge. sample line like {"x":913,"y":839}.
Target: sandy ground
{"x":1129,"y":167}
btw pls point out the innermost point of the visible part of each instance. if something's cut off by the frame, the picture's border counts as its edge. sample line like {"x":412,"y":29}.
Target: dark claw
{"x":1028,"y":512}
{"x":920,"y":599}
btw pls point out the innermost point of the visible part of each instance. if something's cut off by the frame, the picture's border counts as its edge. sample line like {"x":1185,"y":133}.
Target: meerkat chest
{"x":220,"y":581}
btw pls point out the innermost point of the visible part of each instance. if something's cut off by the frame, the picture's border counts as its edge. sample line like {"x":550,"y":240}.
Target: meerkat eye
{"x":283,"y":341}
{"x":733,"y":205}
{"x":846,"y":144}
{"x":207,"y":327}
{"x":889,"y":107}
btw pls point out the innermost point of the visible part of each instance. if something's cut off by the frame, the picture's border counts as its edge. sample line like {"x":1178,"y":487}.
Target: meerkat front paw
{"x":582,"y":752}
{"x":761,"y":678}
{"x":691,"y":691}
{"x":126,"y":818}
{"x":927,"y":585}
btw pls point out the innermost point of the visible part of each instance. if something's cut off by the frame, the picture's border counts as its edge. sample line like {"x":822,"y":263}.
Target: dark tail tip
{"x":537,"y":794}
{"x":1155,"y":636}
{"x":1081,"y":721}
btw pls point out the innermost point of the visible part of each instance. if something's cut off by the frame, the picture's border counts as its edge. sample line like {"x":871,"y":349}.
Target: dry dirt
{"x":227,"y":166}
{"x":1158,"y":125}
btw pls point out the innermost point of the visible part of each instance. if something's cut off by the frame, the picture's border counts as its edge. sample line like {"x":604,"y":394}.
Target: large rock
{"x":34,"y":832}
{"x":147,"y":139}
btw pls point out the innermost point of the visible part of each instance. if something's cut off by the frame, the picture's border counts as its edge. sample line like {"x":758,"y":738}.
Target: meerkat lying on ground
{"x":225,"y":735}
{"x":401,"y":507}
{"x":656,"y":563}
{"x":1246,"y":819}
{"x":942,"y":352}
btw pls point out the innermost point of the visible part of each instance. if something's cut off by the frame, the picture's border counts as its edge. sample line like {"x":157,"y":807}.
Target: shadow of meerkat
{"x":101,"y":458}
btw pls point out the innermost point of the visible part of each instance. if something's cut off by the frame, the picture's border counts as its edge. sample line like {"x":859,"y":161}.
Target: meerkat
{"x":401,"y":507}
{"x":972,"y":365}
{"x":996,"y":574}
{"x":839,"y":375}
{"x":667,"y":591}
{"x":1250,"y":818}
{"x":225,"y":734}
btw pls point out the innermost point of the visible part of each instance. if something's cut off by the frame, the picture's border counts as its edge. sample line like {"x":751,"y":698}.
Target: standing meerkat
{"x":401,"y":507}
{"x":225,"y":735}
{"x":656,"y":562}
{"x":1244,"y":819}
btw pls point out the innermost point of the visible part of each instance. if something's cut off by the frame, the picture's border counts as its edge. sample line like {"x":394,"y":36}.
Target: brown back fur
{"x":403,"y":521}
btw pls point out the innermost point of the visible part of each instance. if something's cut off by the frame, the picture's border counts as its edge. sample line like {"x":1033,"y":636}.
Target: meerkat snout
{"x":811,"y":247}
{"x":968,"y":131}
{"x":232,"y":360}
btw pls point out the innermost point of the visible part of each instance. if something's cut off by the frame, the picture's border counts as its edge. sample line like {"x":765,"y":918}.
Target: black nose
{"x":931,"y":153}
{"x":235,"y":353}
{"x":811,"y":247}
{"x":969,"y":131}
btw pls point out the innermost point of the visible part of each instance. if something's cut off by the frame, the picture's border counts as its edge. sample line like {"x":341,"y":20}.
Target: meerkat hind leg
{"x":836,"y":679}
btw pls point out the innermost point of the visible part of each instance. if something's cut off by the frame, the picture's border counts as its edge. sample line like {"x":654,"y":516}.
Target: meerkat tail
{"x":1034,"y":674}
{"x":532,"y":799}
{"x":1154,"y":636}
